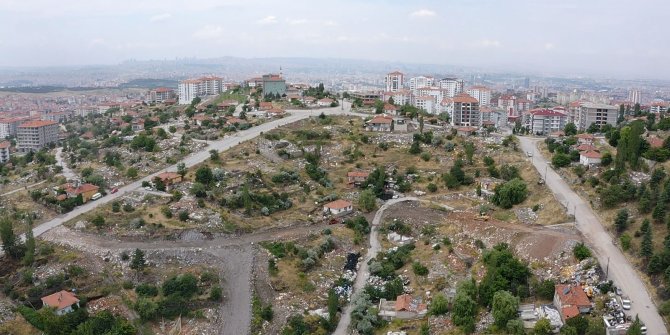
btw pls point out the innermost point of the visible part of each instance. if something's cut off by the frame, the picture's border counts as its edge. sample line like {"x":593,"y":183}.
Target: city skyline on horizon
{"x":576,"y":38}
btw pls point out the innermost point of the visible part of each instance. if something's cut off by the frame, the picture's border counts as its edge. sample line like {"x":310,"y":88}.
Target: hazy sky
{"x":629,"y":38}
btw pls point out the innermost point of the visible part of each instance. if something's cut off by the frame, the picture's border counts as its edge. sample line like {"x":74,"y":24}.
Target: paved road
{"x":620,"y":270}
{"x":363,"y":271}
{"x":67,"y":172}
{"x":196,"y":158}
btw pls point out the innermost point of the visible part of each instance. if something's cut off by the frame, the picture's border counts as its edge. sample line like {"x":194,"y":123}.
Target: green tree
{"x":515,"y":327}
{"x":636,"y":327}
{"x":214,"y":155}
{"x":579,"y":323}
{"x":647,"y":246}
{"x":439,"y":305}
{"x":367,"y":200}
{"x":131,"y":172}
{"x":568,"y":330}
{"x":621,"y":220}
{"x":542,"y":327}
{"x":10,"y":245}
{"x":570,"y":129}
{"x":333,"y":306}
{"x":138,"y":263}
{"x":98,"y":221}
{"x":204,"y":175}
{"x":504,"y":307}
{"x":581,"y":251}
{"x":659,"y":213}
{"x":510,"y":193}
{"x":29,"y":256}
{"x":606,"y":159}
{"x":415,"y":148}
{"x":181,"y":169}
{"x":560,"y":160}
{"x":469,"y":149}
{"x":464,"y":312}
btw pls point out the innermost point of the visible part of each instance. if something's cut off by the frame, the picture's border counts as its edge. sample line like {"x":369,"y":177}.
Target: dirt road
{"x":363,"y":271}
{"x":620,"y":270}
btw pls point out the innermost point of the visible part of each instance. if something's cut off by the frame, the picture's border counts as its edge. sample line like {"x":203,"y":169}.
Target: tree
{"x":515,"y":327}
{"x":659,"y":213}
{"x":570,"y":129}
{"x":647,"y":246}
{"x":204,"y":175}
{"x":29,"y":256}
{"x":464,"y":312}
{"x":636,"y":327}
{"x":10,"y":245}
{"x":439,"y":305}
{"x":214,"y":155}
{"x":510,"y":193}
{"x":504,"y":307}
{"x":138,"y":263}
{"x":621,"y":220}
{"x":568,"y":330}
{"x":131,"y":172}
{"x":581,"y":251}
{"x":415,"y":148}
{"x":579,"y":323}
{"x":181,"y":169}
{"x":333,"y":305}
{"x":542,"y":327}
{"x":606,"y":159}
{"x":560,"y":160}
{"x":367,"y":200}
{"x":98,"y":221}
{"x":469,"y":149}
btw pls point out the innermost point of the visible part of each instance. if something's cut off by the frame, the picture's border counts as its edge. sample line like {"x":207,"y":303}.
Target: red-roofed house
{"x":200,"y":119}
{"x":569,"y":297}
{"x":655,"y":142}
{"x":586,"y":147}
{"x":61,"y":302}
{"x":585,"y":138}
{"x":404,"y":307}
{"x":264,"y":105}
{"x":590,"y":157}
{"x":325,"y":102}
{"x":466,"y":131}
{"x":338,"y":207}
{"x":356,"y":178}
{"x":390,"y":109}
{"x":85,"y":190}
{"x":380,"y":123}
{"x":169,"y":178}
{"x":275,"y":112}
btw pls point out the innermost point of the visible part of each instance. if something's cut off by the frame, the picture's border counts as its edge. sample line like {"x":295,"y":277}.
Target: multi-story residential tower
{"x":416,"y":83}
{"x":634,"y":96}
{"x":600,"y":114}
{"x":453,"y":86}
{"x":394,"y":81}
{"x":161,"y":94}
{"x":192,"y":88}
{"x":4,"y":151}
{"x":545,"y":121}
{"x":35,"y":135}
{"x":274,"y":84}
{"x":481,"y":93}
{"x":465,"y":111}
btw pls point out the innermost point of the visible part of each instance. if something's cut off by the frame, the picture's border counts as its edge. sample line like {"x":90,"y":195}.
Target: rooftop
{"x":37,"y":124}
{"x":338,"y":204}
{"x":60,"y":300}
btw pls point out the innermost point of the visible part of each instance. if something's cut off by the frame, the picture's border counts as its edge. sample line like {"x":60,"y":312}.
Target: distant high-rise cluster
{"x":634,"y":96}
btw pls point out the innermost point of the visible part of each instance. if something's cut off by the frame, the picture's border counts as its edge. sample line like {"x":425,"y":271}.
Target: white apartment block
{"x":8,"y":127}
{"x":634,"y":96}
{"x":453,"y":86}
{"x":543,"y":121}
{"x":161,"y":94}
{"x":416,"y":83}
{"x":465,"y":111}
{"x":658,"y":107}
{"x":4,"y":151}
{"x":600,"y":114}
{"x":401,"y":97}
{"x":35,"y":135}
{"x":425,"y":102}
{"x":192,"y":88}
{"x":394,"y":81}
{"x":481,"y":93}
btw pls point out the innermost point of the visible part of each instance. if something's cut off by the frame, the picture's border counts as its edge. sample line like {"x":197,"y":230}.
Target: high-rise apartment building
{"x":161,"y":94}
{"x":453,"y":86}
{"x":394,"y":81}
{"x":192,"y":88}
{"x":4,"y":151}
{"x":634,"y":96}
{"x":465,"y":111}
{"x":600,"y":114}
{"x":35,"y":135}
{"x":481,"y":93}
{"x":416,"y":83}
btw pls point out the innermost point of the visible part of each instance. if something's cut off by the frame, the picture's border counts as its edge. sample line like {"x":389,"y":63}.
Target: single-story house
{"x":390,"y":109}
{"x":137,"y":125}
{"x":557,"y":134}
{"x":586,"y":147}
{"x":264,"y":105}
{"x":590,"y":157}
{"x":199,"y":119}
{"x":404,"y":307}
{"x":170,"y":178}
{"x":585,"y":138}
{"x":86,"y":190}
{"x":61,"y":302}
{"x":325,"y":102}
{"x":356,"y":178}
{"x":380,"y":123}
{"x":571,"y":299}
{"x":338,"y":207}
{"x":274,"y":112}
{"x":466,"y":131}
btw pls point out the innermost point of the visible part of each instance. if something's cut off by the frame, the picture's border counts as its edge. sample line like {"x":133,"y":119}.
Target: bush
{"x":510,"y":193}
{"x":581,"y":251}
{"x":439,"y":305}
{"x":367,"y":200}
{"x":419,"y":269}
{"x":146,"y":290}
{"x":425,"y":156}
{"x":432,"y":188}
{"x":184,"y":286}
{"x":183,"y":215}
{"x":216,"y":293}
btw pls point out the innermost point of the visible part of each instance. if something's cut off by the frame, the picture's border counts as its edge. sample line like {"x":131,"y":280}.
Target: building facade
{"x":453,"y":86}
{"x":416,"y":83}
{"x":193,"y":88}
{"x":161,"y":94}
{"x":481,"y":93}
{"x":274,"y":84}
{"x":599,"y":114}
{"x":394,"y":81}
{"x":465,"y":111}
{"x":4,"y":152}
{"x":8,"y":127}
{"x":35,"y":135}
{"x":545,"y":121}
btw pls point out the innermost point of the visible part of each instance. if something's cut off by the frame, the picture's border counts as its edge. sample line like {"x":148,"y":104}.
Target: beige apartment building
{"x":600,"y":114}
{"x":35,"y":135}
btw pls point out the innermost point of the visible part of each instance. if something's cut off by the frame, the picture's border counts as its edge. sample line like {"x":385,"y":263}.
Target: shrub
{"x":215,"y":294}
{"x":146,"y":290}
{"x":581,"y":251}
{"x":419,"y":269}
{"x":183,"y":215}
{"x":432,"y":188}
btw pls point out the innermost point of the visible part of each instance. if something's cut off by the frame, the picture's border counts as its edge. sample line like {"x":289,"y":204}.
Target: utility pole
{"x":607,"y":273}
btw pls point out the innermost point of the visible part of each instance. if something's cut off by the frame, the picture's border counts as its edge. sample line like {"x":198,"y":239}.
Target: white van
{"x":96,"y":196}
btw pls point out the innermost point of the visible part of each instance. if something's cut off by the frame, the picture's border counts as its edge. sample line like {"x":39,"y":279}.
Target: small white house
{"x":338,"y":207}
{"x":589,"y":157}
{"x":325,"y":102}
{"x":61,"y":302}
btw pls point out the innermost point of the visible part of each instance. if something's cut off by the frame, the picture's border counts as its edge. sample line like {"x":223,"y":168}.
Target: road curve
{"x":620,"y":270}
{"x":363,"y":271}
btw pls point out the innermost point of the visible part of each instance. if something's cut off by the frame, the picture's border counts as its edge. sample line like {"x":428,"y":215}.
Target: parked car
{"x":529,"y":154}
{"x":114,"y":190}
{"x":625,"y":303}
{"x":96,"y":196}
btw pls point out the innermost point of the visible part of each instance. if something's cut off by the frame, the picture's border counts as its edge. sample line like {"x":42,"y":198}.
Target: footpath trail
{"x":620,"y":270}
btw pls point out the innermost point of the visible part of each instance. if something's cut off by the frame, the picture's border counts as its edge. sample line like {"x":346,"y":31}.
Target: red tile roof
{"x":586,"y":147}
{"x":60,"y":300}
{"x":591,"y":154}
{"x":570,"y":312}
{"x":167,"y":176}
{"x":546,"y":112}
{"x":338,"y":204}
{"x":36,"y":124}
{"x":465,"y":99}
{"x":572,"y":295}
{"x":381,"y":119}
{"x":358,"y":174}
{"x":83,"y":188}
{"x":403,"y":302}
{"x":389,"y":107}
{"x":5,"y":145}
{"x":585,"y":136}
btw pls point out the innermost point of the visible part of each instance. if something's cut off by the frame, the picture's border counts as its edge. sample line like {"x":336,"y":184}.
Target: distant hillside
{"x":150,"y":83}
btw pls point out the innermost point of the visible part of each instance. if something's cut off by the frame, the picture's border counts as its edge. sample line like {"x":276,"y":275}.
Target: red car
{"x":114,"y":190}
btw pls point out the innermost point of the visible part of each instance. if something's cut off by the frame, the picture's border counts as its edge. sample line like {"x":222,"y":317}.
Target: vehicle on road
{"x":96,"y":196}
{"x":114,"y":190}
{"x":529,"y":154}
{"x":148,"y":188}
{"x":618,"y":291}
{"x":625,"y":302}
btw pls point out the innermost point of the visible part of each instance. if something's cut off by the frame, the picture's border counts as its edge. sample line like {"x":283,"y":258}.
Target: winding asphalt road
{"x":620,"y":270}
{"x":363,"y":271}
